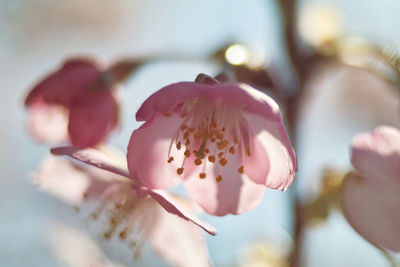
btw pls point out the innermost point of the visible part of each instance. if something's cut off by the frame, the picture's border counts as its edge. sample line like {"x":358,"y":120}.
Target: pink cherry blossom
{"x":108,"y":160}
{"x":132,"y":218}
{"x":75,"y":103}
{"x":370,"y":198}
{"x":226,"y":142}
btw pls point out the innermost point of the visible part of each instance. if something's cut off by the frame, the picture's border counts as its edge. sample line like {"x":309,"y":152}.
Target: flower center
{"x":209,"y":134}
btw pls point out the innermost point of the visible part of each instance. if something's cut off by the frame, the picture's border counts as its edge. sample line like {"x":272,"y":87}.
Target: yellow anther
{"x":207,"y":150}
{"x":219,"y":178}
{"x":198,"y":162}
{"x":179,"y":171}
{"x":202,"y":175}
{"x":113,"y":221}
{"x":221,"y":155}
{"x":241,"y":169}
{"x":211,"y":159}
{"x":178,"y":145}
{"x":248,"y":152}
{"x":123,"y":234}
{"x":222,"y":144}
{"x":170,"y":159}
{"x":232,"y":150}
{"x":187,"y":153}
{"x":223,"y":161}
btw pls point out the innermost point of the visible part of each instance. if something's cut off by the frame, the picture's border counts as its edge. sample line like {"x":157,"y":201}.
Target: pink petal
{"x":371,"y":207}
{"x":243,"y":97}
{"x":148,"y":152}
{"x":62,"y":179}
{"x":235,"y":194}
{"x":61,"y":86}
{"x":171,"y":205}
{"x":94,"y":157}
{"x":93,"y":115}
{"x":377,"y":155}
{"x":48,"y":123}
{"x":257,"y":166}
{"x":282,"y":159}
{"x":179,"y":242}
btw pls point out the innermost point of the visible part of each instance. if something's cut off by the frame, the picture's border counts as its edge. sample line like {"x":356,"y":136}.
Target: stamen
{"x":210,"y":133}
{"x":200,"y":153}
{"x":223,"y":161}
{"x":187,"y":153}
{"x":222,"y":144}
{"x":179,"y":171}
{"x":123,"y":234}
{"x":241,"y":169}
{"x":211,"y":159}
{"x":249,"y":152}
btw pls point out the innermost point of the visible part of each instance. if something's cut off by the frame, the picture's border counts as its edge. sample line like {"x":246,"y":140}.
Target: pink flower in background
{"x":370,"y":198}
{"x":226,"y":142}
{"x":75,"y":103}
{"x":106,"y":159}
{"x":122,"y":214}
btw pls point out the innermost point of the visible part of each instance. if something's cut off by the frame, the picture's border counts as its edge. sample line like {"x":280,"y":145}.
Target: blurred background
{"x":343,"y":94}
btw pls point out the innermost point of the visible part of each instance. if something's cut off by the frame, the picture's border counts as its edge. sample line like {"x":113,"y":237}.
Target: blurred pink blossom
{"x":370,"y":198}
{"x":106,"y":159}
{"x":75,"y":103}
{"x":129,"y":217}
{"x":226,"y":142}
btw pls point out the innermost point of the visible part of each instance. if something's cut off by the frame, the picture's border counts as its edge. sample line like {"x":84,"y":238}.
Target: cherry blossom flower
{"x":132,"y":218}
{"x":106,"y":159}
{"x":79,"y":95}
{"x":226,"y":142}
{"x":370,"y":197}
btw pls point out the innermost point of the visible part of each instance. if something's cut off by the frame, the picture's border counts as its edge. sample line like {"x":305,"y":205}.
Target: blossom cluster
{"x":226,"y":142}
